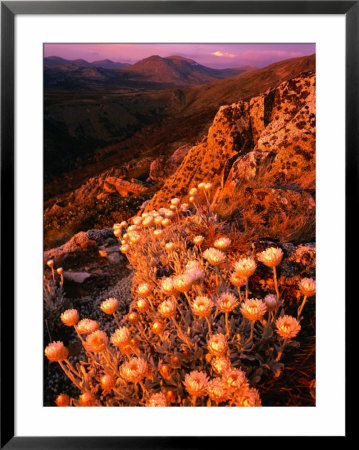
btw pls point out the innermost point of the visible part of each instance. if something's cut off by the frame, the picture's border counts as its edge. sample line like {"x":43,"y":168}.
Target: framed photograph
{"x":173,"y":175}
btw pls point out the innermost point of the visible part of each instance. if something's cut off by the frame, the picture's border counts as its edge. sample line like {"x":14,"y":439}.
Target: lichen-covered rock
{"x":124,"y":187}
{"x":268,"y":140}
{"x":229,"y":134}
{"x":163,"y":167}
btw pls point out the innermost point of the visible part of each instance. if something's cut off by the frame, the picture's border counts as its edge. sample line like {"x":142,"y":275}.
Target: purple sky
{"x":212,"y":55}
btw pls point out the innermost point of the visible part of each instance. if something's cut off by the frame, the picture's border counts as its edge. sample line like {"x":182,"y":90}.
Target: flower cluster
{"x":193,"y":321}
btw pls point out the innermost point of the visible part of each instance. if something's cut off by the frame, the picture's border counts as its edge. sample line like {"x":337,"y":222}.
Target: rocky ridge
{"x":259,"y":155}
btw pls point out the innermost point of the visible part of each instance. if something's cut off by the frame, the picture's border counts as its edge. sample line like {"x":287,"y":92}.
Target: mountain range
{"x":153,"y":72}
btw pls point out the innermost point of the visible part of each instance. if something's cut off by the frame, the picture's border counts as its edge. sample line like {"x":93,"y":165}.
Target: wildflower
{"x":107,"y":382}
{"x":271,"y":302}
{"x":222,"y":243}
{"x":158,"y":220}
{"x":245,"y":267}
{"x":125,"y":248}
{"x":202,"y":306}
{"x":184,"y":207}
{"x":207,"y":186}
{"x":201,"y":186}
{"x":157,"y":400}
{"x":166,"y":222}
{"x":142,"y":305}
{"x":97,"y":341}
{"x":248,"y":397}
{"x":134,"y":238}
{"x":116,"y":226}
{"x":123,"y":224}
{"x":196,"y":274}
{"x":198,"y":240}
{"x":191,"y":199}
{"x":167,"y":286}
{"x":227,"y":302}
{"x":165,"y":370}
{"x":147,"y":221}
{"x":196,"y":383}
{"x":217,"y":390}
{"x":60,"y":270}
{"x":109,"y":306}
{"x":70,"y":317}
{"x":214,"y":256}
{"x":220,"y":364}
{"x":307,"y":287}
{"x":87,"y":326}
{"x":170,"y":396}
{"x":137,"y":220}
{"x":183,"y":282}
{"x":287,"y":327}
{"x":158,"y":233}
{"x":157,"y":327}
{"x":167,"y":308}
{"x":121,"y":337}
{"x":192,"y":264}
{"x":271,"y":257}
{"x":169,"y":214}
{"x":175,"y":201}
{"x":234,"y":378}
{"x":134,"y":370}
{"x":193,"y":192}
{"x":50,"y":263}
{"x":175,"y":362}
{"x":62,"y":400}
{"x":253,"y":309}
{"x":56,"y":351}
{"x":87,"y":399}
{"x":217,"y":345}
{"x":117,"y":232}
{"x":133,"y":317}
{"x":237,"y":280}
{"x":170,"y":246}
{"x":143,"y":290}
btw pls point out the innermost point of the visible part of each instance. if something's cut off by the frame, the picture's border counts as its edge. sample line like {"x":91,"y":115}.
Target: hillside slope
{"x":87,"y":134}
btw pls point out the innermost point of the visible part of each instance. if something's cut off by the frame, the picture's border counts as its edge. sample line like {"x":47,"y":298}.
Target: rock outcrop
{"x":259,"y":154}
{"x":163,"y":167}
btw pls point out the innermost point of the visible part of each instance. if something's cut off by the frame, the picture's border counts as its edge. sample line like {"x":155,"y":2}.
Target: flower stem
{"x":280,"y":353}
{"x":227,"y":327}
{"x":70,"y":375}
{"x":116,"y":320}
{"x":181,"y":335}
{"x":300,"y":309}
{"x":275,"y":282}
{"x":209,"y":326}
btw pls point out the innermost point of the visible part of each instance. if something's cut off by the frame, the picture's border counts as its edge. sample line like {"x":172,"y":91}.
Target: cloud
{"x":223,"y":54}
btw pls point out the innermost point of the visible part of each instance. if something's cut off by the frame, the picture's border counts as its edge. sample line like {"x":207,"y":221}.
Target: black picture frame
{"x":9,"y":10}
